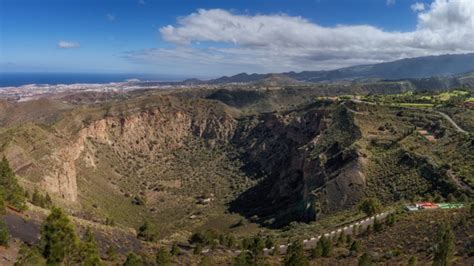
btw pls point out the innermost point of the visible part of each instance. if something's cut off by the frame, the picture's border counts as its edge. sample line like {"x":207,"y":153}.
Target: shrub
{"x":295,"y":255}
{"x":29,"y":256}
{"x":325,"y":246}
{"x":370,"y":206}
{"x":197,"y":249}
{"x":243,"y":259}
{"x":147,"y":232}
{"x":175,"y":250}
{"x":355,"y":247}
{"x":378,"y":226}
{"x":133,"y":260}
{"x":390,"y":220}
{"x":444,"y":247}
{"x":365,"y":260}
{"x":163,"y":257}
{"x":413,"y":261}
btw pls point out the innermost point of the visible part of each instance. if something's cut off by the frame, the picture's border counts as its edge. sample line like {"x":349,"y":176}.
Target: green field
{"x":415,"y":105}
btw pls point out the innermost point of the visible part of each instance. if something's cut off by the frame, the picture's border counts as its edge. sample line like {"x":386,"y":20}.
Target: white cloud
{"x":390,"y":2}
{"x":68,"y":45}
{"x":264,"y":43}
{"x":110,"y":17}
{"x":142,"y":2}
{"x":417,"y":7}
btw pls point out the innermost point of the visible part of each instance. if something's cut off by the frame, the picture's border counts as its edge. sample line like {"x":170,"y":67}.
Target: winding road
{"x":444,"y":115}
{"x":311,"y":242}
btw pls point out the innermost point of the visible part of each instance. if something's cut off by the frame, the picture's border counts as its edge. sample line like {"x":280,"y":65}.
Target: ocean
{"x":19,"y":79}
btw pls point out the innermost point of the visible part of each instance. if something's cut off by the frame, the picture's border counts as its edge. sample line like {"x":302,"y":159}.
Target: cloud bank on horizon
{"x":278,"y":42}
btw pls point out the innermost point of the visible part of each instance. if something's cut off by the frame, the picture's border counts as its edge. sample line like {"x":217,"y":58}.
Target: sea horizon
{"x":17,"y":79}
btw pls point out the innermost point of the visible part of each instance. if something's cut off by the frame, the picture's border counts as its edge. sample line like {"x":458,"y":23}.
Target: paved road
{"x":347,"y":230}
{"x":447,"y":117}
{"x":311,"y":243}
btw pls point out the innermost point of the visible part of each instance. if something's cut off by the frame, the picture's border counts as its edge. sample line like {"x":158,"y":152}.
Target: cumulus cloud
{"x":280,"y":42}
{"x":417,"y":7}
{"x":68,"y":45}
{"x":390,"y":2}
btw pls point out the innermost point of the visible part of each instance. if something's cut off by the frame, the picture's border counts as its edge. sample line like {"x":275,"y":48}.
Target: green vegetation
{"x":295,"y":255}
{"x":59,"y":242}
{"x":88,"y":250}
{"x":365,"y":260}
{"x":370,"y":206}
{"x":40,"y":200}
{"x":163,"y":257}
{"x":444,"y":248}
{"x":147,"y":232}
{"x":28,"y":256}
{"x":133,"y":260}
{"x":421,"y":99}
{"x":12,"y":192}
{"x":4,"y":234}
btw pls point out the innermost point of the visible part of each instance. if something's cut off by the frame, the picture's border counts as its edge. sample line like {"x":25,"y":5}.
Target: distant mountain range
{"x":410,"y":68}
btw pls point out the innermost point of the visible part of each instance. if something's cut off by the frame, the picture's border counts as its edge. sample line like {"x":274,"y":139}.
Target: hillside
{"x":237,"y":160}
{"x":411,"y":68}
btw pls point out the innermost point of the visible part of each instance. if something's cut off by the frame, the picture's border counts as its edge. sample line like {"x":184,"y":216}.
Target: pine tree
{"x":365,"y":260}
{"x":11,"y":191}
{"x":295,"y":255}
{"x":58,"y":238}
{"x":197,"y":249}
{"x":206,"y":261}
{"x":4,"y":234}
{"x":413,"y":261}
{"x":37,"y":199}
{"x":175,"y":250}
{"x":257,"y":246}
{"x":370,"y":206}
{"x":390,"y":220}
{"x":326,"y":246}
{"x":133,"y":260}
{"x":269,"y":242}
{"x":243,"y":259}
{"x":230,"y":241}
{"x":341,"y":240}
{"x":444,"y":248}
{"x":163,"y":257}
{"x":47,"y":201}
{"x":378,"y":226}
{"x":355,"y":247}
{"x":348,"y":239}
{"x":112,"y":255}
{"x":2,"y":203}
{"x":317,"y":251}
{"x":88,"y":251}
{"x":147,"y":232}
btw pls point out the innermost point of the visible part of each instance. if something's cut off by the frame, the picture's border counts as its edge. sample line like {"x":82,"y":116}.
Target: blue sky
{"x":211,"y":38}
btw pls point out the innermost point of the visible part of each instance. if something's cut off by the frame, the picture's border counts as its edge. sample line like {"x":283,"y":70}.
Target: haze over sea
{"x":19,"y":79}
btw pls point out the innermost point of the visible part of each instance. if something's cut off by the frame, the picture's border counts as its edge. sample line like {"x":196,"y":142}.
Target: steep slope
{"x":307,"y":162}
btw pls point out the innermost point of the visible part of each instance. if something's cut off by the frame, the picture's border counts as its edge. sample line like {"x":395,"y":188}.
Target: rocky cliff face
{"x":308,"y":165}
{"x":159,"y":128}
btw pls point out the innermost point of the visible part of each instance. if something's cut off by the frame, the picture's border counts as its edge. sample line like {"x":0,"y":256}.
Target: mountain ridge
{"x":407,"y":68}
